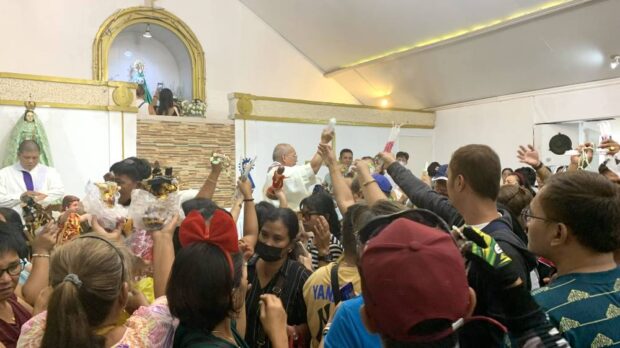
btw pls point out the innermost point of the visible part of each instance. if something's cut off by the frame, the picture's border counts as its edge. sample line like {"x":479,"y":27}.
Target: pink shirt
{"x":150,"y":326}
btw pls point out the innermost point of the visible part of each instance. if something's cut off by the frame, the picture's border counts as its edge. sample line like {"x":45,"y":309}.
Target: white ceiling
{"x":568,"y":46}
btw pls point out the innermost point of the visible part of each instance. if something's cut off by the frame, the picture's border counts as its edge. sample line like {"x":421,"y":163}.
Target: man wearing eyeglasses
{"x":575,"y":222}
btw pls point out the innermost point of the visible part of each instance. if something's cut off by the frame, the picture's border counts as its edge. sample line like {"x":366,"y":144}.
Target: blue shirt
{"x":585,"y":307}
{"x":347,"y":329}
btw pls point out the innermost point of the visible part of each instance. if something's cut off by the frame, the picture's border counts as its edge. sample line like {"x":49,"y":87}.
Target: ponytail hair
{"x":87,"y":276}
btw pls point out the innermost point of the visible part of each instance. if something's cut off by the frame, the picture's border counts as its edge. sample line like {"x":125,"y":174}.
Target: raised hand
{"x":322,"y":236}
{"x":45,"y":241}
{"x":326,"y":152}
{"x":482,"y":249}
{"x":273,"y":318}
{"x":387,"y":158}
{"x":168,"y":229}
{"x":327,"y":135}
{"x":245,"y":187}
{"x":611,"y":146}
{"x":528,"y":155}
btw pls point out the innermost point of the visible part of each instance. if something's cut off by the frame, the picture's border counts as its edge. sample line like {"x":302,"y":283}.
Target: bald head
{"x":28,"y":146}
{"x":285,"y":154}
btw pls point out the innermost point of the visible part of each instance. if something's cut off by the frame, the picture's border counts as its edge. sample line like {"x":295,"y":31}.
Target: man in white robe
{"x":29,"y":177}
{"x":299,"y":179}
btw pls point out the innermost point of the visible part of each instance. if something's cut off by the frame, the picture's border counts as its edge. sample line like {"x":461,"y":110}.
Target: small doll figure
{"x":70,"y":222}
{"x":277,"y":183}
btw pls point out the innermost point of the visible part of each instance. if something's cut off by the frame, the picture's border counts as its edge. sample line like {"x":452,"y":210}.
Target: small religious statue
{"x":70,"y":222}
{"x":28,"y":128}
{"x":277,"y":183}
{"x":35,"y":216}
{"x":137,"y":76}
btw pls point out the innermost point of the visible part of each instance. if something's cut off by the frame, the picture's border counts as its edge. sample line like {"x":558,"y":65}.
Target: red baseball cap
{"x":222,"y":230}
{"x":412,"y":273}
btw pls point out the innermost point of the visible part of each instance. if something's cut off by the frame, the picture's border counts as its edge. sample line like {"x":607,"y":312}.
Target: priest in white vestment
{"x":30,"y":177}
{"x":299,"y":179}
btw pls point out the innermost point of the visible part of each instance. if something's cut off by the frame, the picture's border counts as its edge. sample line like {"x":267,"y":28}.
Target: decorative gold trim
{"x":462,"y":33}
{"x":315,"y":121}
{"x":311,"y":102}
{"x":44,"y":104}
{"x":121,"y":19}
{"x":58,"y":79}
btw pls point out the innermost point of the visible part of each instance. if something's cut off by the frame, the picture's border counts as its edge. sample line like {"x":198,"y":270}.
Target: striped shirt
{"x":335,"y":250}
{"x":295,"y":276}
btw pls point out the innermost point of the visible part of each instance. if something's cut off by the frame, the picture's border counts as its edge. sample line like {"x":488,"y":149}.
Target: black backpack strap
{"x":334,"y":283}
{"x":143,"y":102}
{"x":276,"y":289}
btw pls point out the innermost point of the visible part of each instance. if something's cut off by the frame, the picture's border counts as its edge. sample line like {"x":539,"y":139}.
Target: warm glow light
{"x":460,"y":32}
{"x":384,"y":103}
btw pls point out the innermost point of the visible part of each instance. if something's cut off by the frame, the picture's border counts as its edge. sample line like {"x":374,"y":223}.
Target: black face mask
{"x":268,"y":253}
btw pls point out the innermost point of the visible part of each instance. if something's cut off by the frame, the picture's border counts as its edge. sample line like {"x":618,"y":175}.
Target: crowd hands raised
{"x":465,"y":255}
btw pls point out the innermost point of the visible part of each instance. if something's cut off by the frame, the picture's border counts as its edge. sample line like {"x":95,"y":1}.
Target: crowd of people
{"x":466,"y":254}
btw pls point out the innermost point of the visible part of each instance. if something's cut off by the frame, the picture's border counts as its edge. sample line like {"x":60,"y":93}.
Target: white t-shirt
{"x":143,"y":107}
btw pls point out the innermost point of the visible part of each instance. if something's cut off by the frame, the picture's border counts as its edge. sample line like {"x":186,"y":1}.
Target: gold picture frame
{"x":124,"y":18}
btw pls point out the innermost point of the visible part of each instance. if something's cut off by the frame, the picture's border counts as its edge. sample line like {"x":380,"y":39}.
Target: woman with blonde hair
{"x":90,"y":277}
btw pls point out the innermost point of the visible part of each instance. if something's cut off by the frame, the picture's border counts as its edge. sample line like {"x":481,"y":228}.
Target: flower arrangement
{"x":196,"y":108}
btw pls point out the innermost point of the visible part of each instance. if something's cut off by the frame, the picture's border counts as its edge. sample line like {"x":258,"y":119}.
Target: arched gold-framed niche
{"x":124,"y":18}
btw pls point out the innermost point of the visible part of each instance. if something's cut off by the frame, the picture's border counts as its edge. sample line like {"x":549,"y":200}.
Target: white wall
{"x":242,"y":53}
{"x":506,"y":122}
{"x":160,"y":64}
{"x":84,"y":143}
{"x":261,"y":137}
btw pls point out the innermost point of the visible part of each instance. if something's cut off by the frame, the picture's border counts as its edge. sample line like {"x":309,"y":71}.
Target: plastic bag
{"x":100,"y":200}
{"x":151,"y":213}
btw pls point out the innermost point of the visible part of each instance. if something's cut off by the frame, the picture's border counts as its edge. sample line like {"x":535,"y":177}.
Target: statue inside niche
{"x":137,"y":76}
{"x":28,"y":128}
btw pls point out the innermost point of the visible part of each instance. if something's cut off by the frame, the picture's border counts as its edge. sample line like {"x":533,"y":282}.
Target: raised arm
{"x":208,"y":188}
{"x":370,"y":188}
{"x":317,"y":160}
{"x":250,"y":220}
{"x":342,"y":192}
{"x":420,"y":194}
{"x":39,"y":276}
{"x":163,"y":256}
{"x":529,"y":156}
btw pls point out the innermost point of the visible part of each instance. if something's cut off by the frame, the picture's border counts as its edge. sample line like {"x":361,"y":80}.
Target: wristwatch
{"x":325,"y":258}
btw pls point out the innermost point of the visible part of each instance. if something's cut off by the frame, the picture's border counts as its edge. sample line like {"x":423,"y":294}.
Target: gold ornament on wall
{"x":122,"y":96}
{"x":124,"y":18}
{"x":244,"y":106}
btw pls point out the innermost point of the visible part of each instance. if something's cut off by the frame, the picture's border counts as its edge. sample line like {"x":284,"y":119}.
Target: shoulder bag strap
{"x":334,"y":283}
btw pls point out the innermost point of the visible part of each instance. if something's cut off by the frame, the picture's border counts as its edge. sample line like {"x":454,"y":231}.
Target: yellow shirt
{"x":319,"y":297}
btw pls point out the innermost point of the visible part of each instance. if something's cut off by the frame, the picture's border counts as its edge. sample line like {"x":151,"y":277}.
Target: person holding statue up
{"x":29,"y":177}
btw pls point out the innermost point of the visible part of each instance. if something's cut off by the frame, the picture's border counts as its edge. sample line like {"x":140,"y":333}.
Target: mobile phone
{"x":347,"y":292}
{"x":160,"y":86}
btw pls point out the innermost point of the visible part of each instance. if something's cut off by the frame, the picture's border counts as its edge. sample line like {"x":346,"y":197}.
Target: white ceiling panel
{"x":333,"y":33}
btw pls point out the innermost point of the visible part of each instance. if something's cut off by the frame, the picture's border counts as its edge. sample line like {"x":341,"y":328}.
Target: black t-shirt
{"x":295,"y":276}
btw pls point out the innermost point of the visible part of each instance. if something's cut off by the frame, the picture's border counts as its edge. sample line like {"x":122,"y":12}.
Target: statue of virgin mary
{"x":28,"y":128}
